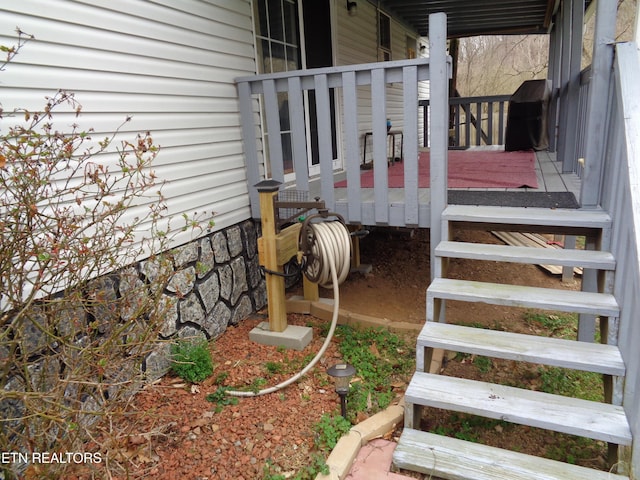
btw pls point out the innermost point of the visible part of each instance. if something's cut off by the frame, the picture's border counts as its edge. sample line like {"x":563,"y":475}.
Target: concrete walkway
{"x":373,"y":462}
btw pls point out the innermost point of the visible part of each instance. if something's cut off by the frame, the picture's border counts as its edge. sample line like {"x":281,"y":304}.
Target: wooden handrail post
{"x":439,"y":124}
{"x":276,"y":304}
{"x":275,"y":248}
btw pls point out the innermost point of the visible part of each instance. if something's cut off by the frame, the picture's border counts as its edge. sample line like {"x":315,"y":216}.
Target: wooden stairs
{"x":449,"y":458}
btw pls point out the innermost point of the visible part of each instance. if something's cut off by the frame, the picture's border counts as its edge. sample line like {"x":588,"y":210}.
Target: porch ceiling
{"x":473,"y":17}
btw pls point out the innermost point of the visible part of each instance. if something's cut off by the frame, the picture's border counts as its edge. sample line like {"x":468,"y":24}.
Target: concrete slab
{"x":374,"y":462}
{"x":363,"y":269}
{"x":293,"y":337}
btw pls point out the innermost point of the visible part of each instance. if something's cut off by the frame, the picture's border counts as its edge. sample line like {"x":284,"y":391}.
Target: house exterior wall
{"x":171,"y":68}
{"x":169,"y":65}
{"x":357,"y":42}
{"x":216,"y":282}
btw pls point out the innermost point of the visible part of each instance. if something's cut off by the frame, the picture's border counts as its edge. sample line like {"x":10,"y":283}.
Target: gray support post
{"x":597,"y":103}
{"x":323,"y":110}
{"x":272,"y":110}
{"x":379,"y":119}
{"x":567,"y":272}
{"x":250,"y":144}
{"x":501,"y":119}
{"x":565,"y":75}
{"x":410,"y":144}
{"x":587,"y":322}
{"x":554,"y":76}
{"x":570,"y":150}
{"x":352,"y":150}
{"x":439,"y":124}
{"x":298,"y":137}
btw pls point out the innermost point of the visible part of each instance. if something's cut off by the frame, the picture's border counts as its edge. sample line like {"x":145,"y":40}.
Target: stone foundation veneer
{"x":217,"y":282}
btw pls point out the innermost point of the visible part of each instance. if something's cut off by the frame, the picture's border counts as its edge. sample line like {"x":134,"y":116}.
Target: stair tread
{"x":596,"y":420}
{"x":527,"y":216}
{"x":531,"y":255}
{"x":522,"y":296}
{"x":592,"y":357}
{"x":451,"y":458}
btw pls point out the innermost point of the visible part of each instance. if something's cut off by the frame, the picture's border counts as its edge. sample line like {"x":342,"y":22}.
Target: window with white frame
{"x":384,"y":37}
{"x":278,"y":50}
{"x":277,"y":35}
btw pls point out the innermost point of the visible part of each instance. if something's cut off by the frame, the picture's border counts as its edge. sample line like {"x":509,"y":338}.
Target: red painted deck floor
{"x":373,"y":462}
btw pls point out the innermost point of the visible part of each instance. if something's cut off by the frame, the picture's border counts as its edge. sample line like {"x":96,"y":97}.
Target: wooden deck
{"x":548,"y":171}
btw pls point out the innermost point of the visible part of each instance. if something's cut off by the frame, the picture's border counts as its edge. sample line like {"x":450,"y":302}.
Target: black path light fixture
{"x":342,"y":374}
{"x":352,"y":7}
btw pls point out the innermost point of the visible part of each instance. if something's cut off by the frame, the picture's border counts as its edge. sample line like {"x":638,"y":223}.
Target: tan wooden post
{"x":356,"y":266}
{"x":355,"y":256}
{"x":310,"y":290}
{"x":268,"y":190}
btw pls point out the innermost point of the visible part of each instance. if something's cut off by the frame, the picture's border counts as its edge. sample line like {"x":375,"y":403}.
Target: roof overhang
{"x":467,"y":18}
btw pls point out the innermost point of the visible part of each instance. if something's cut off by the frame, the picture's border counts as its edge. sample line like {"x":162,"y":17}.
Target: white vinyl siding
{"x":356,"y":36}
{"x":168,"y":64}
{"x":357,"y":42}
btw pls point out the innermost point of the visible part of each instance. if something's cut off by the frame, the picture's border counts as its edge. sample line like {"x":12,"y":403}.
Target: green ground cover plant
{"x":329,"y":429}
{"x":380,"y":358}
{"x":561,"y":325}
{"x":191,"y":361}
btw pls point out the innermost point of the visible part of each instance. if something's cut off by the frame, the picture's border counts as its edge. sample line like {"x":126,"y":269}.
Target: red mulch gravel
{"x":172,"y":431}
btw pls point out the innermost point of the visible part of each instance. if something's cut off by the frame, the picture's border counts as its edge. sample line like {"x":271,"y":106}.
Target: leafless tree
{"x":493,"y":65}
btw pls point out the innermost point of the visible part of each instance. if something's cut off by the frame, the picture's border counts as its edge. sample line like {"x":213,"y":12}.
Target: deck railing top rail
{"x":393,"y":71}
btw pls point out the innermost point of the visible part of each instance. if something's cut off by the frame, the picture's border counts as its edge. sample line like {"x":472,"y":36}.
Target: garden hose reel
{"x":324,"y":254}
{"x":324,"y":242}
{"x":307,"y":236}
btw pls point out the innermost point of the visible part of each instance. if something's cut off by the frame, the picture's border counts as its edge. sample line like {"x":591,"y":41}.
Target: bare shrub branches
{"x":77,"y":317}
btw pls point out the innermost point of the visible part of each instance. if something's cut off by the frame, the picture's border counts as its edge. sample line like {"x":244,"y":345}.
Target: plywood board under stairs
{"x":534,"y":240}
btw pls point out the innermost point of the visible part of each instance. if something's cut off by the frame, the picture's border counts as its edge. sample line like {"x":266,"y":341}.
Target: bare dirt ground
{"x":395,"y":288}
{"x":172,"y":431}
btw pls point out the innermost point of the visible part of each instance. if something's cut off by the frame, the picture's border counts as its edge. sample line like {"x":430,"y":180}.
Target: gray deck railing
{"x":621,"y":198}
{"x":571,"y":163}
{"x":473,"y":120}
{"x":267,"y":90}
{"x":345,"y":82}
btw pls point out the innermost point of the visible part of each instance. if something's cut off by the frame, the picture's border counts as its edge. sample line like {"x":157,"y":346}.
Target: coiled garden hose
{"x":328,"y":260}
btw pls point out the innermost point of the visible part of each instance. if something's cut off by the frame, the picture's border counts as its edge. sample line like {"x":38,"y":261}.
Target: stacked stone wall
{"x":215,"y":282}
